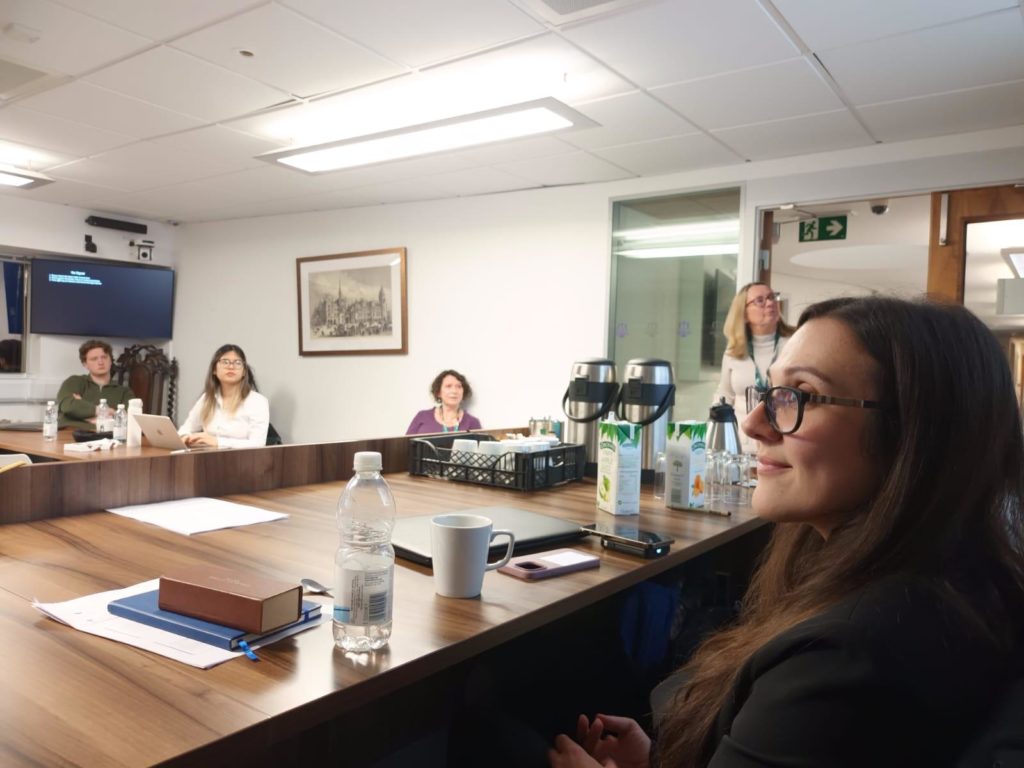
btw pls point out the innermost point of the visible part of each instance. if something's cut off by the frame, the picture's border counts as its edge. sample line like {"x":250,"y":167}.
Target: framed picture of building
{"x":353,"y":303}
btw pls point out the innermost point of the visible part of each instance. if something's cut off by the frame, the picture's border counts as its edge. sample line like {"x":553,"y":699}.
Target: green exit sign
{"x":823,"y":228}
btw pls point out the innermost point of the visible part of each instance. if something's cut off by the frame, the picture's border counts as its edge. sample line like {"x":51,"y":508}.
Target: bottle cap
{"x":367,"y":461}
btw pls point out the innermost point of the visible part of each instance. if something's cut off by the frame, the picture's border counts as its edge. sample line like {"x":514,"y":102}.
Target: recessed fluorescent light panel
{"x":715,"y":237}
{"x":518,"y":121}
{"x":18,"y":177}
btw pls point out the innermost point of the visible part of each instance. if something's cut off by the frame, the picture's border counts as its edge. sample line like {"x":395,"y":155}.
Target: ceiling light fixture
{"x":702,"y":230}
{"x":673,"y":251}
{"x":1015,"y":258}
{"x":513,"y":122}
{"x":19,"y":177}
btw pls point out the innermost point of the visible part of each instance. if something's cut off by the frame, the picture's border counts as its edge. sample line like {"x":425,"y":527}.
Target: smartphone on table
{"x":544,"y":565}
{"x":630,"y":538}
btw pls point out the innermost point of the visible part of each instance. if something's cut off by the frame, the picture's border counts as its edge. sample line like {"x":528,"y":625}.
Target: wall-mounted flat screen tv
{"x":101,"y":298}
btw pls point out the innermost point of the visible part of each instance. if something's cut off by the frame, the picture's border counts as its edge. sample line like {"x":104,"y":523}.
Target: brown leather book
{"x":233,"y":598}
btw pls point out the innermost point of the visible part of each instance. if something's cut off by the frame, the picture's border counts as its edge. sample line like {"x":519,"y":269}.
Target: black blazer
{"x":891,"y":676}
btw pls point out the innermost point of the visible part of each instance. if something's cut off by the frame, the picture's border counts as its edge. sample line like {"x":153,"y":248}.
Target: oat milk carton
{"x":685,"y":457}
{"x":618,"y":467}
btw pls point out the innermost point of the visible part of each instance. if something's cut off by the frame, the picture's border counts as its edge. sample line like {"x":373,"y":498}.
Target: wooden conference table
{"x":33,"y":444}
{"x":71,"y":698}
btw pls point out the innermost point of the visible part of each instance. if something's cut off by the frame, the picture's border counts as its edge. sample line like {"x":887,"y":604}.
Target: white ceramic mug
{"x":458,"y":548}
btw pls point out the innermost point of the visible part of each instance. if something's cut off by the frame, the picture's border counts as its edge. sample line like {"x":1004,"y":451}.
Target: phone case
{"x":544,"y":565}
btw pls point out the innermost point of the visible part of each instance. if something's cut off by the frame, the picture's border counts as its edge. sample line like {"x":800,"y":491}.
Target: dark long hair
{"x":948,"y":508}
{"x":212,"y":386}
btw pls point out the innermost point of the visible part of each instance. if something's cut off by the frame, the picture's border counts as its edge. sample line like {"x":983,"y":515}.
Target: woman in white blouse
{"x":230,"y":413}
{"x":756,"y":334}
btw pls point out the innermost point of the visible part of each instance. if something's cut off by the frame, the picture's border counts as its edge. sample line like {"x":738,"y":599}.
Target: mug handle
{"x":508,"y":552}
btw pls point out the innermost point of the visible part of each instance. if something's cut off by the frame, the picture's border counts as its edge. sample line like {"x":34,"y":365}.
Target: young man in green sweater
{"x":79,"y":395}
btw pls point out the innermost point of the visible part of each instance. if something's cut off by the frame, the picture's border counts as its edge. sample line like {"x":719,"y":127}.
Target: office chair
{"x":273,"y":438}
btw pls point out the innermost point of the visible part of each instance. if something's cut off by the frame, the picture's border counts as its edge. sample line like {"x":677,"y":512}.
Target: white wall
{"x":508,"y":288}
{"x":30,"y":227}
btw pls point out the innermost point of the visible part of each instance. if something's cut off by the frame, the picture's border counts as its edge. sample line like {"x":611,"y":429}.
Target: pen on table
{"x":719,"y":512}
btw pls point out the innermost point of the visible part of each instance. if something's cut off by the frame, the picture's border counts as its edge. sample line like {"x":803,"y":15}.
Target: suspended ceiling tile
{"x":834,"y":23}
{"x":679,"y":153}
{"x":169,"y":160}
{"x":274,"y":34}
{"x":520,"y":149}
{"x":160,"y":19}
{"x":65,"y":136}
{"x":574,"y":168}
{"x":109,"y":111}
{"x":667,"y":42}
{"x":64,"y":192}
{"x":32,"y":156}
{"x":980,"y":51}
{"x":478,"y":181}
{"x":408,"y":191}
{"x":183,"y":83}
{"x":797,"y":136}
{"x":421,"y":33}
{"x":775,"y":91}
{"x":67,"y":41}
{"x":626,"y":119}
{"x":974,"y":109}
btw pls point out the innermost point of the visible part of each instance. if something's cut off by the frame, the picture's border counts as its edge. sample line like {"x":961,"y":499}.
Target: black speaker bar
{"x":127,"y":226}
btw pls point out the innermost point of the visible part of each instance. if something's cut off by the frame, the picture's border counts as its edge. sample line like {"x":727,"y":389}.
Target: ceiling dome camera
{"x":879,"y":207}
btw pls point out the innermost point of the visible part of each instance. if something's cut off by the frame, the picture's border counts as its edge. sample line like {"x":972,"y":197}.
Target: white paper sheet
{"x":197,"y":515}
{"x":89,"y":614}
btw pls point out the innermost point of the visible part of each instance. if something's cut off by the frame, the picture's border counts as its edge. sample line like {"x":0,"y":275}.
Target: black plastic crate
{"x":432,"y":456}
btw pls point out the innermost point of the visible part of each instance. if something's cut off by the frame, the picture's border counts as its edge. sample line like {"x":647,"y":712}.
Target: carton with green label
{"x":686,"y":459}
{"x":618,"y":467}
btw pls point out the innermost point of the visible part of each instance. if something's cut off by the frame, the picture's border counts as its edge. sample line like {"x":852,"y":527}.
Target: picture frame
{"x":353,"y":303}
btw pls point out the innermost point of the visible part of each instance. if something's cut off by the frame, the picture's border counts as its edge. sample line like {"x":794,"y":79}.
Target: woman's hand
{"x":608,"y":741}
{"x":568,"y":754}
{"x":201,"y":438}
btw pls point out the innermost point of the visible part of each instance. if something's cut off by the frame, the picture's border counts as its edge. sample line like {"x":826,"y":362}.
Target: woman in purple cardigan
{"x":449,"y":389}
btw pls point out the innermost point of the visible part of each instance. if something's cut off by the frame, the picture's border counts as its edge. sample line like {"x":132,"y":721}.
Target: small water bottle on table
{"x":121,"y":424}
{"x":103,"y":416}
{"x":364,"y":565}
{"x":50,"y":421}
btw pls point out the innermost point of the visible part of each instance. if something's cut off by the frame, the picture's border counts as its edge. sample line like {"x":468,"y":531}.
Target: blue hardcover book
{"x":144,"y":608}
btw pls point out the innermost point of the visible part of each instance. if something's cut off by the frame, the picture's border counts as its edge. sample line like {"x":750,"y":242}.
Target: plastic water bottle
{"x":50,"y":421}
{"x":364,"y":566}
{"x":121,"y":424}
{"x":103,"y":418}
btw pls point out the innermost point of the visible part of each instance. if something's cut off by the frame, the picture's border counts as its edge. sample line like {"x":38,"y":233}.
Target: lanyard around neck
{"x":759,"y":380}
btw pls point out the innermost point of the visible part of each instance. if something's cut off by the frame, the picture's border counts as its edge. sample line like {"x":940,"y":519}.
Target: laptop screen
{"x":533,"y":531}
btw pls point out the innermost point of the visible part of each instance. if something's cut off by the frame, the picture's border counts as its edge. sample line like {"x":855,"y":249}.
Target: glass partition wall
{"x":673,"y":277}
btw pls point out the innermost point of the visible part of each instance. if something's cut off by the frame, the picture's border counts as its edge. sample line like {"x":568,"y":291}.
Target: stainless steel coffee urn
{"x":591,"y":393}
{"x":647,"y":396}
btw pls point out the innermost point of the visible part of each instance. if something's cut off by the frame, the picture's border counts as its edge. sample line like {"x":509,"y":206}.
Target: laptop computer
{"x":22,"y":426}
{"x":533,"y":531}
{"x":161,"y":433}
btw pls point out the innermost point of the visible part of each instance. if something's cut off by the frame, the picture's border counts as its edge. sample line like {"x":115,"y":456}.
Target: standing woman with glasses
{"x":230,"y":413}
{"x":886,"y":617}
{"x":756,"y":335}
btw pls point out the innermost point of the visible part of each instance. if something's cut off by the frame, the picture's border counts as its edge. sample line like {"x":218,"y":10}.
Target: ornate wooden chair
{"x":151,"y":376}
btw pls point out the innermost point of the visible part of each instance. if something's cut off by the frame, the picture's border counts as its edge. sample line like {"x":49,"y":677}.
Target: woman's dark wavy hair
{"x":949,"y":506}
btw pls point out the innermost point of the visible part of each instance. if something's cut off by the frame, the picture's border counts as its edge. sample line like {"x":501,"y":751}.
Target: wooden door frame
{"x":947,"y":241}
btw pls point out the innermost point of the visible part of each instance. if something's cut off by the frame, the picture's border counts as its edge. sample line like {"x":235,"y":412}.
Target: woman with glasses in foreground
{"x":230,"y":413}
{"x":882,"y":624}
{"x":756,"y":336}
